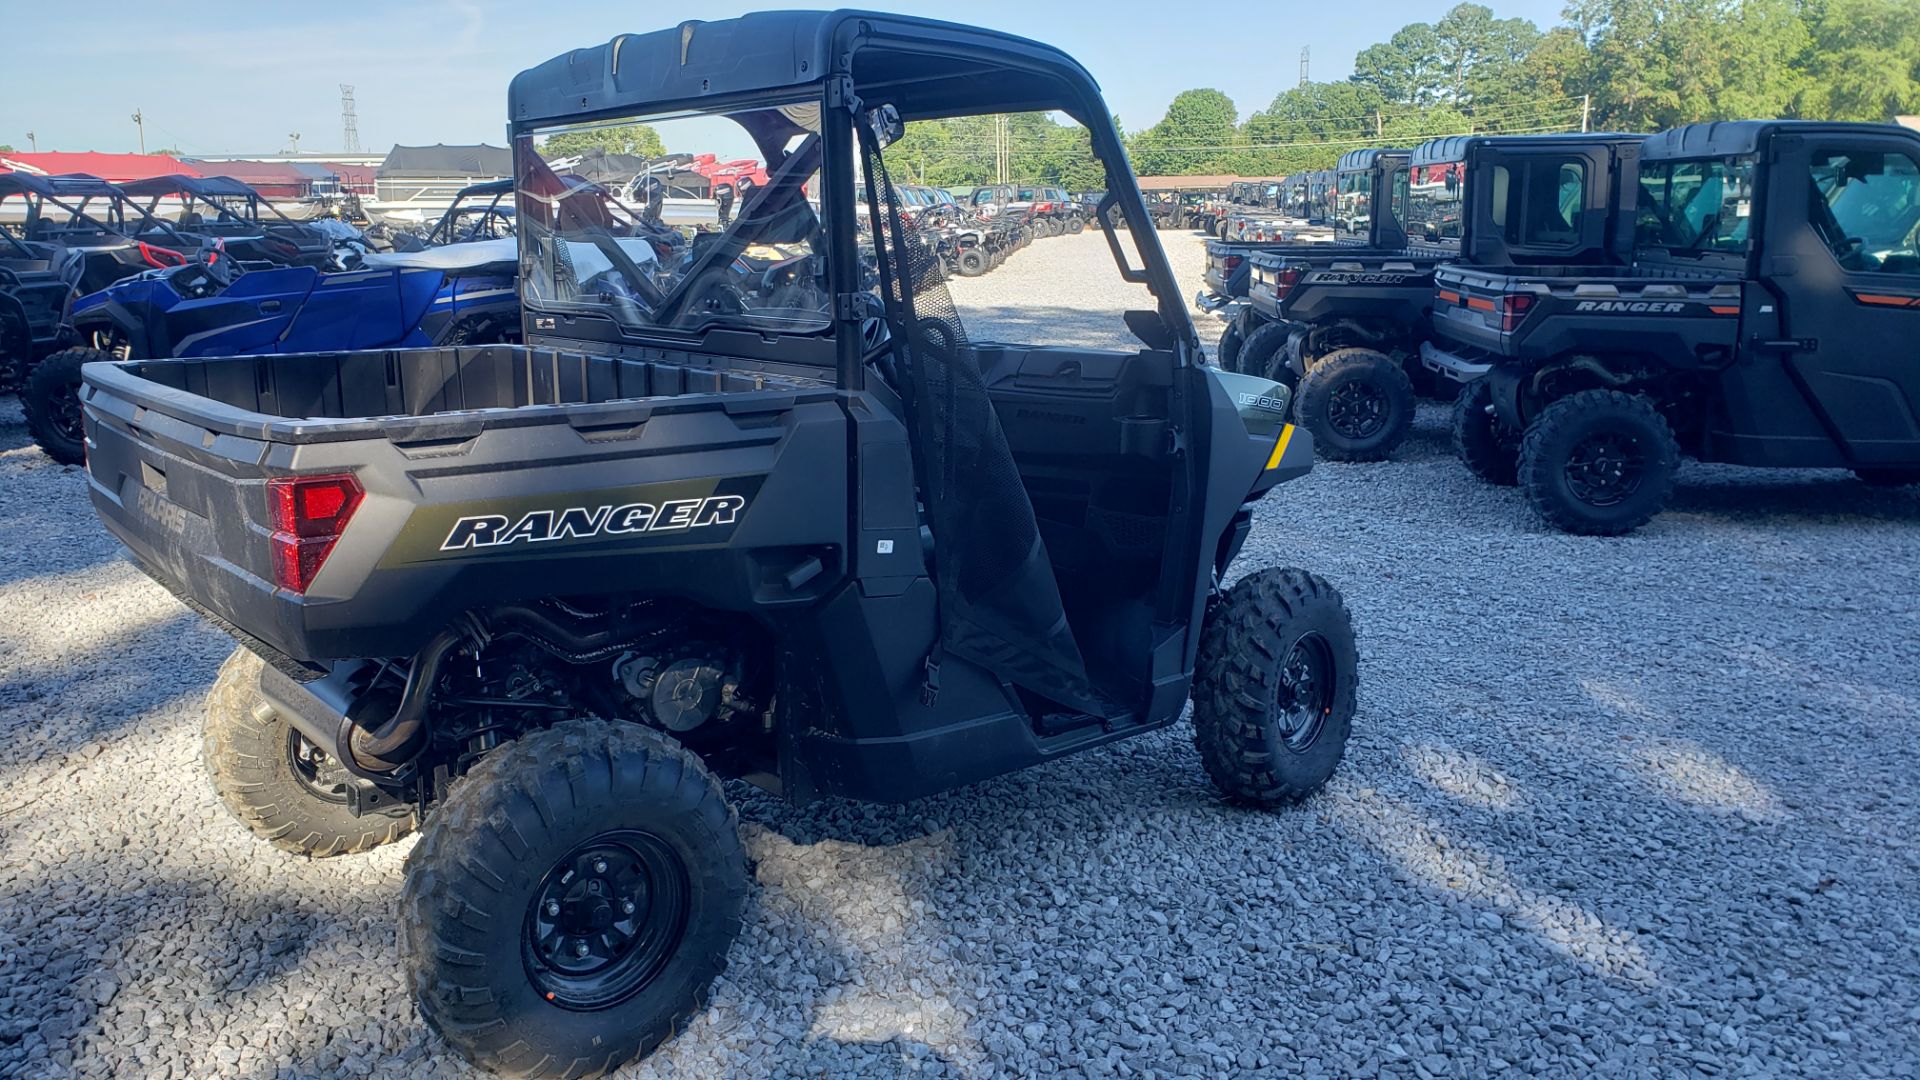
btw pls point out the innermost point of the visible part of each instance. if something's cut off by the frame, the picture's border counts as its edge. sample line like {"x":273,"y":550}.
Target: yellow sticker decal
{"x":1280,"y":445}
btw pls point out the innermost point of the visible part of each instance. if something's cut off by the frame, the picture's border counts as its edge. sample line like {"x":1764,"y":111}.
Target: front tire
{"x":973,"y":262}
{"x":51,"y":400}
{"x":1264,"y":353}
{"x":1490,"y":449}
{"x":1357,"y":403}
{"x":1274,"y":687}
{"x":275,"y":782}
{"x":571,"y":903}
{"x":1598,"y":463}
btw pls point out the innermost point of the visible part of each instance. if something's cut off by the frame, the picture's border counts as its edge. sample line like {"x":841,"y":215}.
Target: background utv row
{"x":1745,"y":293}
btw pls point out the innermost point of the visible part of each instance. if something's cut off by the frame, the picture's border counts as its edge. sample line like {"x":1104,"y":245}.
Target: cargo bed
{"x":181,"y":455}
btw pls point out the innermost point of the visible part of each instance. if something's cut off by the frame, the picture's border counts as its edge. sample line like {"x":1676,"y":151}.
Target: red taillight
{"x":1513,"y":310}
{"x":158,"y":257}
{"x":1233,"y":262}
{"x":1285,"y":280}
{"x":309,"y":513}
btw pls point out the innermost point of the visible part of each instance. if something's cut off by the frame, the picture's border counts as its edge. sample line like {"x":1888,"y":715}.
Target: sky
{"x":229,"y":77}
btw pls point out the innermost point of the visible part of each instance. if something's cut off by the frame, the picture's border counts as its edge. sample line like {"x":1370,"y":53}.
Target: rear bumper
{"x":1211,"y":301}
{"x":1452,"y":364}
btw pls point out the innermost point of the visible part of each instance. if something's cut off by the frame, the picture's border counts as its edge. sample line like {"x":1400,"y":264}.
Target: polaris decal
{"x":579,"y":522}
{"x":603,"y":522}
{"x":1637,"y":307}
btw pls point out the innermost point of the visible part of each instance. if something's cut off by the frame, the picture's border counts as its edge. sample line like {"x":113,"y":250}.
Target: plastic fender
{"x":418,"y":290}
{"x":359,"y":309}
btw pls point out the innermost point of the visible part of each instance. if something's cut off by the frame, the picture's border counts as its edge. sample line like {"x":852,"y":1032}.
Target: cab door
{"x":1844,"y":211}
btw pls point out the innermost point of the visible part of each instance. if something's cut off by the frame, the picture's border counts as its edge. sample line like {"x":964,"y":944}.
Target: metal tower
{"x":349,"y":123}
{"x":1304,"y":50}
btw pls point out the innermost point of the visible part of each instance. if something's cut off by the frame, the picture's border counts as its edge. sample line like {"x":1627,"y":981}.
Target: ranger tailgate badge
{"x":580,"y":522}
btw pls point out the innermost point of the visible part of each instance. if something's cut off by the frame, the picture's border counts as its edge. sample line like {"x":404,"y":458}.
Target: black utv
{"x":1344,"y":324}
{"x":538,"y":601}
{"x":1766,"y":318}
{"x":63,"y":237}
{"x":1228,"y":271}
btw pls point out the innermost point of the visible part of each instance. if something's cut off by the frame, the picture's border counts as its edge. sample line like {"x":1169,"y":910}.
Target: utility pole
{"x":33,"y":141}
{"x":349,"y":123}
{"x":140,"y":122}
{"x":294,"y":138}
{"x":1305,"y":50}
{"x":1379,"y":125}
{"x":1586,"y":111}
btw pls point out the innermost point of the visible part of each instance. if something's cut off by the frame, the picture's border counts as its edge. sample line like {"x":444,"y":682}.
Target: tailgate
{"x":1470,"y":306}
{"x":189,"y":503}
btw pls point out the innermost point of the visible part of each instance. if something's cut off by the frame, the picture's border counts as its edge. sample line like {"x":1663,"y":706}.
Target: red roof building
{"x":272,"y":179}
{"x":113,"y":168}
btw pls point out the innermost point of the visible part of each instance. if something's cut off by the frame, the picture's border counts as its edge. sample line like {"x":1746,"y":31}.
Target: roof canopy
{"x":923,"y":67}
{"x":73,"y":187}
{"x":208,"y":187}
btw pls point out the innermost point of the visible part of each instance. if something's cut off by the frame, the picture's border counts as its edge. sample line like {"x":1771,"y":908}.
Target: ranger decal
{"x":1637,"y":307}
{"x":579,"y":522}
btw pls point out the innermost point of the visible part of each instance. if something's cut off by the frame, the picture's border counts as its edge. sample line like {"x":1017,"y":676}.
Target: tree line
{"x":1617,"y":65}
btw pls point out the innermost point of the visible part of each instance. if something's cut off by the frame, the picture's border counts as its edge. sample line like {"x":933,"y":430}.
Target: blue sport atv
{"x":214,"y":305}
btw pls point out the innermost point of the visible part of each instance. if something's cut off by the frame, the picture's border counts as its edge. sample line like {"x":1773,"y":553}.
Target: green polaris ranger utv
{"x":746,"y":504}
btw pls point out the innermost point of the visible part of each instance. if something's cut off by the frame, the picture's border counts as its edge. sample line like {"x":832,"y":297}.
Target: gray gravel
{"x":1633,"y":807}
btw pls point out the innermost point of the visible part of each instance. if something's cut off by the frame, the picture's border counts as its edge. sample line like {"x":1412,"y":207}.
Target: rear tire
{"x":1598,"y":463}
{"x":1490,"y":449}
{"x":1357,"y":403}
{"x":1274,"y":687}
{"x":274,"y":781}
{"x":51,"y":400}
{"x":520,"y":947}
{"x":1888,"y":478}
{"x":1231,"y":341}
{"x":973,"y":262}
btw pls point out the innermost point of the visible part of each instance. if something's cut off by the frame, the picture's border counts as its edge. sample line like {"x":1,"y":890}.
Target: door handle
{"x":269,"y":306}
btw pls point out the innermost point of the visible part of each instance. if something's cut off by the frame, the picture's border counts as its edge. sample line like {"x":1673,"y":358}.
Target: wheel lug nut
{"x":626,"y":906}
{"x":580,"y":948}
{"x":599,"y":866}
{"x":553,"y":908}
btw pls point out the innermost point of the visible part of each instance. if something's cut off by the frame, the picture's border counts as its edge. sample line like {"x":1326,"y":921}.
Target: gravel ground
{"x":1640,"y":806}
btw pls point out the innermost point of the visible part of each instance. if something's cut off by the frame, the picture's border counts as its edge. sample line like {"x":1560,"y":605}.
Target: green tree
{"x":7,"y":148}
{"x":1657,"y":63}
{"x":1468,"y":59}
{"x":639,"y":140}
{"x":1864,"y":59}
{"x":1310,"y":126}
{"x":1199,"y":134}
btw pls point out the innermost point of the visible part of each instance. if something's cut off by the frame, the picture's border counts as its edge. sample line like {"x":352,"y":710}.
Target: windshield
{"x":710,"y":238}
{"x":1695,"y":205}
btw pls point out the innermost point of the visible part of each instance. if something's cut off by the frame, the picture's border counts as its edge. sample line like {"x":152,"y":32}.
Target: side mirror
{"x":886,"y":125}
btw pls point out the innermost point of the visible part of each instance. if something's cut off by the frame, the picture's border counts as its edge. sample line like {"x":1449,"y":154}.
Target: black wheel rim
{"x":1606,"y":468}
{"x":316,"y":770}
{"x":1303,"y":693}
{"x":66,"y":413}
{"x":605,"y":920}
{"x":1357,"y":410}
